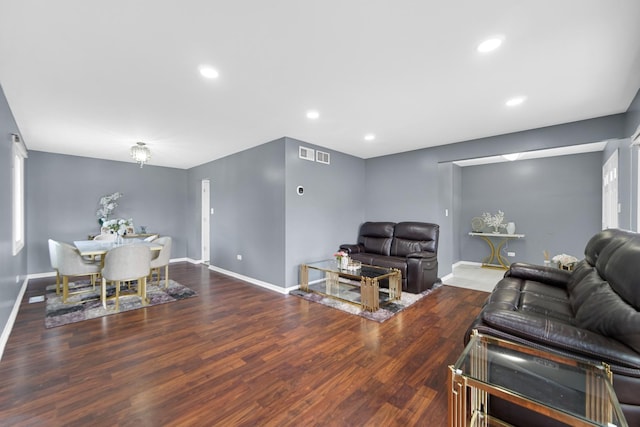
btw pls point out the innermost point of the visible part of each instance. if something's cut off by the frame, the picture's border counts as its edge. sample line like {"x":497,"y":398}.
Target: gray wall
{"x":556,"y":202}
{"x":259,"y":215}
{"x":63,"y":194}
{"x":247,"y":195}
{"x":412,"y":179}
{"x":10,"y":266}
{"x":328,"y":213}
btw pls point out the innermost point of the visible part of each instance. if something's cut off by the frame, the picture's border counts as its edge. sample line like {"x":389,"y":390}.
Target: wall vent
{"x":322,"y":157}
{"x":306,"y":153}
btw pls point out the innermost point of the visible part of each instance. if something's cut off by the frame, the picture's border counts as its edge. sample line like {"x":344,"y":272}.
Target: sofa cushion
{"x":601,"y":240}
{"x":559,"y":335}
{"x":410,"y":237}
{"x":376,"y":237}
{"x":604,"y":312}
{"x":390,"y":262}
{"x":551,"y":308}
{"x":622,"y":270}
{"x":583,"y":289}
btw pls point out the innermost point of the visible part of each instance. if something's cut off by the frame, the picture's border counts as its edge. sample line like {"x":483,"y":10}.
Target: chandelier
{"x":140,"y":153}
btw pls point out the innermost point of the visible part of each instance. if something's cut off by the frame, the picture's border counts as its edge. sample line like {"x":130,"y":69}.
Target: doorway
{"x":610,"y":208}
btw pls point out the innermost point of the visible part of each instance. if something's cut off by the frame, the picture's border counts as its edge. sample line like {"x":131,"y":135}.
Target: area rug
{"x":86,"y":305}
{"x":385,"y":312}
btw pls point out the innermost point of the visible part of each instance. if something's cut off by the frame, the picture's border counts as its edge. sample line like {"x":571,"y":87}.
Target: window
{"x":19,"y":154}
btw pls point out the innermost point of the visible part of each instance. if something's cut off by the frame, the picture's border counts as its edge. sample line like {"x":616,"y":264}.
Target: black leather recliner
{"x":590,"y":314}
{"x":411,"y":247}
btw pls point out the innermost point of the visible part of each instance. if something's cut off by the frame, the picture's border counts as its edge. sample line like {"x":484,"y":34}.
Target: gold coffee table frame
{"x":470,"y":386}
{"x":369,"y":286}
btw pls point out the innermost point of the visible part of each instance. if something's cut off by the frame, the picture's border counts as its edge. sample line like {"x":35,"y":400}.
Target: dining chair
{"x":110,"y":237}
{"x":161,"y":259}
{"x":53,"y":257}
{"x":122,"y":264}
{"x":72,"y":264}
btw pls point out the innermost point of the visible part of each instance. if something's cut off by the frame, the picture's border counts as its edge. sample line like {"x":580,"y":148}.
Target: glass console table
{"x":560,"y":388}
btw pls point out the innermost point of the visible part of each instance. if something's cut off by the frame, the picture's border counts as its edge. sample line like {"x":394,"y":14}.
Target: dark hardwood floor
{"x":236,"y":355}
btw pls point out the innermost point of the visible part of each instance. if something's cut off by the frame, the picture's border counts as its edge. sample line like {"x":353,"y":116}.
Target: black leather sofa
{"x":411,"y":247}
{"x":590,"y":314}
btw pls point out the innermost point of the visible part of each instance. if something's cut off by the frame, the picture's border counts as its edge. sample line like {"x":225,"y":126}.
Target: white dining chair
{"x":122,"y":264}
{"x":53,"y":258}
{"x":72,"y":264}
{"x":161,"y":259}
{"x":109,"y":237}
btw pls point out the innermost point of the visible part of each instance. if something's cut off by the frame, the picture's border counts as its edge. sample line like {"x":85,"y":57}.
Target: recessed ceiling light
{"x":369,"y":137}
{"x":312,"y":114}
{"x":517,"y":100}
{"x":511,"y":157}
{"x":208,"y":72}
{"x":490,"y":45}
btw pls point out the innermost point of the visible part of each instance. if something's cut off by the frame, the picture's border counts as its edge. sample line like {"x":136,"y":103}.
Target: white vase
{"x":344,"y":262}
{"x":511,"y":227}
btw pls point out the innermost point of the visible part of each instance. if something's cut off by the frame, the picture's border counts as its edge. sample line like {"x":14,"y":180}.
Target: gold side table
{"x":558,"y":387}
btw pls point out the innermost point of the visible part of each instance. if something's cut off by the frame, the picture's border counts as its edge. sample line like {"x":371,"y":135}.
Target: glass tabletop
{"x":361,"y":270}
{"x":558,"y":382}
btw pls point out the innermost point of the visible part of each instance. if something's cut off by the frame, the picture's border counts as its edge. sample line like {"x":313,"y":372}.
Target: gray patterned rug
{"x":86,"y":305}
{"x":384,"y":313}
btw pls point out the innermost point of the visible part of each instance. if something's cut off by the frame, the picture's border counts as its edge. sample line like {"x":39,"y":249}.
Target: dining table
{"x":94,"y":248}
{"x":100,"y":247}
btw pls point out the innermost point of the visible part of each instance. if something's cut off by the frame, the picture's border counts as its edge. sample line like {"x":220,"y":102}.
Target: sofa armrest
{"x":539,"y":273}
{"x":352,"y":249}
{"x":424,"y":255}
{"x":561,"y":336}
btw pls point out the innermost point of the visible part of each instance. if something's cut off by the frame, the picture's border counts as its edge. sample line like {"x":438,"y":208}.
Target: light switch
{"x":211,"y":211}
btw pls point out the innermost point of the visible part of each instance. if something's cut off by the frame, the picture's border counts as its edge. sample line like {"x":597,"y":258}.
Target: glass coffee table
{"x":357,"y":285}
{"x":558,"y":387}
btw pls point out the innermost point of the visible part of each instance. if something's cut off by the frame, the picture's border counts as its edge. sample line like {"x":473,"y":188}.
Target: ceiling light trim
{"x":491,"y":44}
{"x":208,"y":72}
{"x":515,"y":101}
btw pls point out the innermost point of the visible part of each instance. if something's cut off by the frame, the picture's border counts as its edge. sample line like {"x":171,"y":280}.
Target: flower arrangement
{"x":494,"y":221}
{"x":340,"y":254}
{"x":107,"y":205}
{"x":118,"y":225}
{"x":564,"y":259}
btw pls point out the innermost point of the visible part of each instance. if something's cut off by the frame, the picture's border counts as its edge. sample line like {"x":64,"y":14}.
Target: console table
{"x":558,"y":387}
{"x":496,"y":260}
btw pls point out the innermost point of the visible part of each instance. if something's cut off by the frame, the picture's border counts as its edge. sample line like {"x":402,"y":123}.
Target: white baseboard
{"x":456,"y":264}
{"x":477,"y":264}
{"x":8,"y":327}
{"x":253,"y":281}
{"x":447,"y":277}
{"x":41,"y":275}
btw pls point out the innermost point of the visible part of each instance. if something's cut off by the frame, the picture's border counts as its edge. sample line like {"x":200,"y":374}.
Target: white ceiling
{"x":92,"y":78}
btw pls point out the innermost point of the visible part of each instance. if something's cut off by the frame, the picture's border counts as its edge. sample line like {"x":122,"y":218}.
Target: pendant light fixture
{"x":140,"y":153}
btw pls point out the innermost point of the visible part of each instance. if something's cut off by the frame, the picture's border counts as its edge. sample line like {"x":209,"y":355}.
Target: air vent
{"x":322,"y":157}
{"x":306,"y":153}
